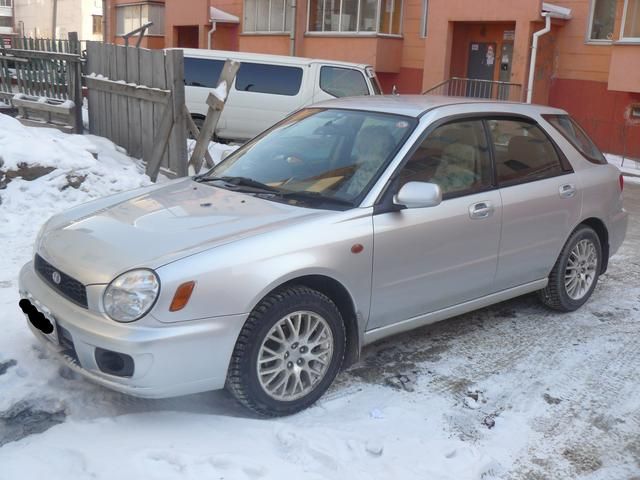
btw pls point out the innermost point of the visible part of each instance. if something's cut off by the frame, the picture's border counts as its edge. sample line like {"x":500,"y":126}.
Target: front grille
{"x":68,"y":287}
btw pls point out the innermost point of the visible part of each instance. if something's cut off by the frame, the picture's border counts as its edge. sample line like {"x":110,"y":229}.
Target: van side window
{"x":202,"y":72}
{"x":454,"y":156}
{"x":342,"y":82}
{"x":273,"y":79}
{"x":523,"y":152}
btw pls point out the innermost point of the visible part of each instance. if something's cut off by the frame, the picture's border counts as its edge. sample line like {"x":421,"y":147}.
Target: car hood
{"x":155,"y":226}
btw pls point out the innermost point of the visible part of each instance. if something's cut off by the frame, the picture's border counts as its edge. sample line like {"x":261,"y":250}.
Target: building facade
{"x":588,"y":63}
{"x":6,"y":21}
{"x":35,"y":18}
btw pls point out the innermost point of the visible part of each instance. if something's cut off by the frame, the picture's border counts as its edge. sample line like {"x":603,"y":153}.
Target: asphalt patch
{"x":24,"y":419}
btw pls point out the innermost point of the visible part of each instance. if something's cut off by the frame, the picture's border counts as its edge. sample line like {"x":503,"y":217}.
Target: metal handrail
{"x":477,"y":88}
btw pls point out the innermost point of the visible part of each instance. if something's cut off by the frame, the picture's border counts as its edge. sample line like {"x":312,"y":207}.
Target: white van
{"x":268,"y":87}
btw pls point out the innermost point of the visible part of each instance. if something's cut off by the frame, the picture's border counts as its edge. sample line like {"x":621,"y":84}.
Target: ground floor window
{"x":631,"y":21}
{"x":130,"y":17}
{"x":267,"y":16}
{"x":355,"y":16}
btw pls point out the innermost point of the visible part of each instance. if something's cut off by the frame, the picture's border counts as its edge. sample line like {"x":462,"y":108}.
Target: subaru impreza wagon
{"x":345,"y":223}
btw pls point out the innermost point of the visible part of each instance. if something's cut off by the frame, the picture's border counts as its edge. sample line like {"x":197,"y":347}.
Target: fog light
{"x":114,"y":363}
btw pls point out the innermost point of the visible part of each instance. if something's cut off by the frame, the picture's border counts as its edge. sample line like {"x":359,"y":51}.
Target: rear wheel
{"x":288,"y":353}
{"x":575,"y":274}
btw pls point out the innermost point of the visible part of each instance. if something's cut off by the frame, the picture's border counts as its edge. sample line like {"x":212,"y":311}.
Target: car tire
{"x":288,"y":353}
{"x":575,"y":275}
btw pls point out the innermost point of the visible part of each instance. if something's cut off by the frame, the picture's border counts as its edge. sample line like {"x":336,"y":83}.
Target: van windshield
{"x":321,"y":156}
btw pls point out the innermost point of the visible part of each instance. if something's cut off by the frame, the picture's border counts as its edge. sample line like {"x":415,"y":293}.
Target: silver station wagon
{"x":345,"y":223}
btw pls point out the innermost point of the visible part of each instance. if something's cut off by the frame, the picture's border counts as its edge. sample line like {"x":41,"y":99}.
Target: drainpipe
{"x":534,"y":54}
{"x":292,"y":35}
{"x":210,"y":35}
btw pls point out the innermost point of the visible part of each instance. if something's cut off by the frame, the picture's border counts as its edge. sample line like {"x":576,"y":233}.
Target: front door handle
{"x":481,"y":210}
{"x":568,"y":190}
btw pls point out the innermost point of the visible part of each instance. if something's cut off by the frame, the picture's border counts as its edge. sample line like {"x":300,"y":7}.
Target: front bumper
{"x":170,"y":359}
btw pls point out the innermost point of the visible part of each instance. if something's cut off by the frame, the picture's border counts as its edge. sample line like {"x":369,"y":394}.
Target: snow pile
{"x":630,"y":168}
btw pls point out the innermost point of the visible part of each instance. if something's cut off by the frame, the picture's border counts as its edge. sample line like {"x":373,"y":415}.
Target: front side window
{"x":267,"y":16}
{"x":202,"y":72}
{"x":320,"y":154}
{"x":273,"y":79}
{"x":454,"y":156}
{"x":568,"y":127}
{"x":357,"y":16}
{"x":523,"y":152}
{"x":631,"y":21}
{"x":131,"y":17}
{"x":602,"y":20}
{"x":342,"y":82}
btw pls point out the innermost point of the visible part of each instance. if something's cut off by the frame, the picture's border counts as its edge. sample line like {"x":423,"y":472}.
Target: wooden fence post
{"x":216,"y":105}
{"x":75,"y":81}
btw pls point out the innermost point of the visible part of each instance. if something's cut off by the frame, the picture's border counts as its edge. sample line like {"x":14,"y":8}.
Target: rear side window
{"x":342,"y":82}
{"x":569,"y":128}
{"x":273,"y":79}
{"x":202,"y":72}
{"x":523,"y":152}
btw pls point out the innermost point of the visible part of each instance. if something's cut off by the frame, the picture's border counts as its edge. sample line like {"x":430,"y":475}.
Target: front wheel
{"x":288,"y":352}
{"x":575,"y":274}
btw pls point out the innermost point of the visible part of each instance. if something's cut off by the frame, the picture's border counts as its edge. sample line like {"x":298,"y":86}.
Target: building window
{"x":424,"y":19}
{"x":602,"y":20}
{"x":131,"y":17}
{"x":267,"y":16}
{"x":355,"y":16}
{"x":631,"y":20}
{"x":5,"y":3}
{"x":6,"y":22}
{"x":97,"y":24}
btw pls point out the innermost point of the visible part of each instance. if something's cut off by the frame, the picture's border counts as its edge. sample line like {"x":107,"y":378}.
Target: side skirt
{"x":433,"y":317}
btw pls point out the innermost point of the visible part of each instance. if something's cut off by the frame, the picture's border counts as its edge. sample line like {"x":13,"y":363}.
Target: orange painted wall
{"x":273,"y":44}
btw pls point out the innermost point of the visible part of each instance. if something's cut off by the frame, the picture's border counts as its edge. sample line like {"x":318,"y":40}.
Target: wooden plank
{"x":105,"y":111}
{"x":178,"y":141}
{"x":92,"y":59}
{"x":123,"y":116}
{"x":195,"y":133}
{"x":33,"y":103}
{"x":160,"y":143}
{"x":115,"y":105}
{"x":159,"y":81}
{"x":133,"y":103}
{"x":31,"y":53}
{"x":140,"y":92}
{"x":146,"y":113}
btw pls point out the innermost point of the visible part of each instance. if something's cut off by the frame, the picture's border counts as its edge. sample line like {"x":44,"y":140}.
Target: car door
{"x":541,"y":200}
{"x":427,"y":259}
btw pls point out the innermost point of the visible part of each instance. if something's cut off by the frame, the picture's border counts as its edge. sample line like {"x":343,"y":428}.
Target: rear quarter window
{"x":343,"y":82}
{"x":265,"y":78}
{"x":574,"y":133}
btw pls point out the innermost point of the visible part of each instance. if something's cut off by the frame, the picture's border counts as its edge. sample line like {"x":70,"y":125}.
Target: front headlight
{"x":131,"y":295}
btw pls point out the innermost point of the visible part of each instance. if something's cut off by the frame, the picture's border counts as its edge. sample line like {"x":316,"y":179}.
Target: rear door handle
{"x":481,"y":210}
{"x":568,"y":190}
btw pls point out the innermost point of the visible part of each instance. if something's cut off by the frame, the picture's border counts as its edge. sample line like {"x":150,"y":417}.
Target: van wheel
{"x":576,"y":272}
{"x":288,"y":352}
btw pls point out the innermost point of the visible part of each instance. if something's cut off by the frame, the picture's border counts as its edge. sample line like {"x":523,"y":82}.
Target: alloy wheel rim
{"x":580,"y":272}
{"x":295,"y":356}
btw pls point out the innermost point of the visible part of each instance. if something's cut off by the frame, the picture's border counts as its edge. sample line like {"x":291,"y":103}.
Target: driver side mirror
{"x":419,"y":195}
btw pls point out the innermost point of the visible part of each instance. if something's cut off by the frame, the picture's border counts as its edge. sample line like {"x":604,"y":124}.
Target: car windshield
{"x":316,"y":156}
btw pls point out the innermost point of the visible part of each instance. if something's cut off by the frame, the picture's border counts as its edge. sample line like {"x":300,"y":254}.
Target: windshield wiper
{"x":316,"y":197}
{"x":240,"y":182}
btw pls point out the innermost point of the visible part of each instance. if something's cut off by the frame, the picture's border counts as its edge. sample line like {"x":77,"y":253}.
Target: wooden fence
{"x":47,"y":68}
{"x":137,"y":100}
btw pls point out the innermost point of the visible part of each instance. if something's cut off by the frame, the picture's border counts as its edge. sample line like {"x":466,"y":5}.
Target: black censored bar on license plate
{"x":36,"y":317}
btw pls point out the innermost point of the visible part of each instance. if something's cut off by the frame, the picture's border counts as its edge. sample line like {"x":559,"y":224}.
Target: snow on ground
{"x":629,"y":167}
{"x":509,"y":392}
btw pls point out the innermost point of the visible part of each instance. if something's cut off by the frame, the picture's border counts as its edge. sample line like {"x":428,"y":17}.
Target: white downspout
{"x":534,"y":54}
{"x":210,"y":35}
{"x":292,"y":35}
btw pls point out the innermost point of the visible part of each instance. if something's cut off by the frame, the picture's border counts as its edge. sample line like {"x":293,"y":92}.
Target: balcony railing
{"x":474,"y":88}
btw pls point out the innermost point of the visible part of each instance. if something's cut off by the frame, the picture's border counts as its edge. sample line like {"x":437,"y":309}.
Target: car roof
{"x":263,"y":57}
{"x":417,"y":105}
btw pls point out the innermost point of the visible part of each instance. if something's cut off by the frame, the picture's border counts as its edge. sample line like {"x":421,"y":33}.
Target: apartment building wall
{"x":34,"y":18}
